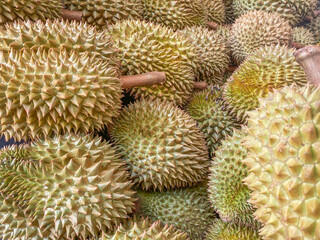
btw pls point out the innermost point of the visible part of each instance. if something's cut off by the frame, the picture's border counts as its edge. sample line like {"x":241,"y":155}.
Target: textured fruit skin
{"x":256,"y":29}
{"x":212,"y":58}
{"x":147,"y":47}
{"x":303,"y":36}
{"x":187,"y":209}
{"x":47,"y":92}
{"x":11,"y":10}
{"x":283,"y":161}
{"x":268,"y":68}
{"x":292,"y":10}
{"x":161,"y":144}
{"x":216,"y":11}
{"x":101,"y":13}
{"x":229,"y":231}
{"x":228,"y":194}
{"x":314,"y":27}
{"x":143,"y":229}
{"x":175,"y":14}
{"x":215,"y":121}
{"x":53,"y":189}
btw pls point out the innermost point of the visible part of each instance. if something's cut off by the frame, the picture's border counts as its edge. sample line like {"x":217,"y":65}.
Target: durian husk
{"x":303,"y":36}
{"x":216,"y":11}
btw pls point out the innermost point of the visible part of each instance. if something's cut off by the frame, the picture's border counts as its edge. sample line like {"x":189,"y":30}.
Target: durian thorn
{"x":142,"y":80}
{"x":297,"y":45}
{"x":309,"y":59}
{"x":71,"y":15}
{"x":231,"y":69}
{"x":200,"y":85}
{"x":212,"y":25}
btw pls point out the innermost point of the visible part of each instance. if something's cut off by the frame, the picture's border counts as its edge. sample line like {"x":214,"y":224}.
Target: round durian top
{"x":256,"y":29}
{"x":304,"y":36}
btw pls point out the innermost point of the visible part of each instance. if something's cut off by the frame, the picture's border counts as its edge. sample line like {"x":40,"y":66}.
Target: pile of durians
{"x":159,"y":120}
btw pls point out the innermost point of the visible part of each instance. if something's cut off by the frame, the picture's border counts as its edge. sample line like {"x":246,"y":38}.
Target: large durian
{"x":215,"y":121}
{"x":161,"y":144}
{"x":283,"y":162}
{"x":48,"y":92}
{"x":187,"y":209}
{"x":256,"y":29}
{"x":268,"y":68}
{"x":67,"y":187}
{"x":216,"y":11}
{"x":212,"y":58}
{"x":303,"y":36}
{"x":147,"y":47}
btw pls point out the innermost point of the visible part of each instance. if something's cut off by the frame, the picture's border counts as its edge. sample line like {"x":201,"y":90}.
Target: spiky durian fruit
{"x":229,"y":231}
{"x":314,"y":27}
{"x":47,"y":92}
{"x":303,"y":36}
{"x":212,"y":58}
{"x":229,"y":11}
{"x":67,"y":187}
{"x":256,"y":29}
{"x":147,"y":47}
{"x":175,"y":14}
{"x":33,"y":10}
{"x":210,"y":112}
{"x":140,"y":229}
{"x":216,"y":11}
{"x":161,"y":144}
{"x":187,"y":209}
{"x":268,"y":68}
{"x":228,"y":194}
{"x":105,"y":12}
{"x":283,"y":162}
{"x":292,"y":10}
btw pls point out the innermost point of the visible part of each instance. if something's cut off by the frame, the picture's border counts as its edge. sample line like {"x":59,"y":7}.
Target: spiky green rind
{"x":175,"y":14}
{"x":228,"y":194}
{"x":268,"y":68}
{"x":161,"y":144}
{"x":212,"y":57}
{"x":215,"y":10}
{"x":256,"y":29}
{"x":143,"y":229}
{"x":215,"y":121}
{"x":303,"y":36}
{"x":229,"y":11}
{"x":229,"y":231}
{"x":67,"y":187}
{"x":146,"y":47}
{"x":187,"y":209}
{"x":283,"y":162}
{"x":48,"y":92}
{"x":101,"y":13}
{"x":292,"y":10}
{"x":11,"y":10}
{"x":314,"y":27}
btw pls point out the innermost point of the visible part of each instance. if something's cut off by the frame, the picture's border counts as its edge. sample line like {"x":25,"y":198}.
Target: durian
{"x":210,"y":112}
{"x":229,"y":11}
{"x":229,"y":231}
{"x":303,"y":36}
{"x":269,"y":68}
{"x":66,"y":187}
{"x":48,"y":92}
{"x":161,"y":145}
{"x":283,"y":162}
{"x":256,"y":29}
{"x":314,"y":27}
{"x":216,"y":11}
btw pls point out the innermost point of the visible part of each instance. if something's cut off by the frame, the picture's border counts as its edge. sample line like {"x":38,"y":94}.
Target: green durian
{"x":268,"y":68}
{"x":229,"y":231}
{"x":283,"y":161}
{"x":303,"y":36}
{"x":215,"y":121}
{"x":216,"y":11}
{"x":314,"y":27}
{"x":161,"y":144}
{"x":257,"y":29}
{"x":48,"y":92}
{"x":147,"y":47}
{"x":66,"y":187}
{"x":229,"y":11}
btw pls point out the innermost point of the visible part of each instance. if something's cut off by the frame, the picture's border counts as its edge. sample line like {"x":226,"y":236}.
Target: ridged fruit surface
{"x":229,"y":11}
{"x":314,"y":27}
{"x":256,"y":29}
{"x":147,"y":47}
{"x":216,"y":11}
{"x":48,"y":92}
{"x":304,"y":36}
{"x":284,"y":163}
{"x":67,"y":187}
{"x":161,"y":144}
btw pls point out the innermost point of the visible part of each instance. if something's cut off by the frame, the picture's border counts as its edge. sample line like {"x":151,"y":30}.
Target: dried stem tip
{"x":298,"y":45}
{"x":141,"y":80}
{"x":212,"y":25}
{"x":71,"y":15}
{"x":231,"y":69}
{"x":200,"y":85}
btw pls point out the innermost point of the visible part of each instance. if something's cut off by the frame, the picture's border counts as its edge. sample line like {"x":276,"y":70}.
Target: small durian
{"x":221,"y":230}
{"x":215,"y":121}
{"x":283,"y":160}
{"x":256,"y":29}
{"x":216,"y":11}
{"x":303,"y":36}
{"x":66,"y":187}
{"x":161,"y":144}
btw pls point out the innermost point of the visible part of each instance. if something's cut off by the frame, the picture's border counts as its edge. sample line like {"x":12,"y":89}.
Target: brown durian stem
{"x":231,"y":69}
{"x":141,"y":80}
{"x":71,"y":15}
{"x":200,"y":85}
{"x":298,"y":45}
{"x":316,"y":13}
{"x":309,"y":18}
{"x":212,"y":25}
{"x":309,"y":59}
